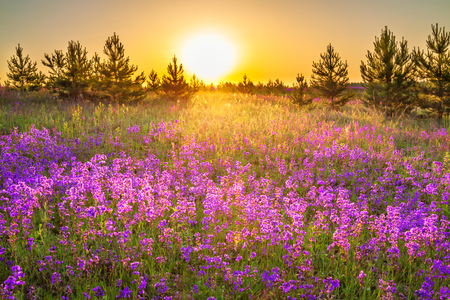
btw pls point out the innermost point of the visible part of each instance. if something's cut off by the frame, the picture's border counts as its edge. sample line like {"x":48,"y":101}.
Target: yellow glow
{"x":209,"y":56}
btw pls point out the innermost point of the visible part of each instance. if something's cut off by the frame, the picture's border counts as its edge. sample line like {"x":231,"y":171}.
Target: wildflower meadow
{"x":231,"y":197}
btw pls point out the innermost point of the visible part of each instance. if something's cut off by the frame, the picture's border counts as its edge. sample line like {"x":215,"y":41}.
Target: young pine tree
{"x":246,"y":86}
{"x":174,"y":86}
{"x":57,"y":63}
{"x":299,"y":94}
{"x":153,"y":83}
{"x":39,"y":82}
{"x":434,"y":67}
{"x":280,"y":87}
{"x":269,"y":88}
{"x":76,"y":71}
{"x":276,"y":87}
{"x":117,"y":73}
{"x":23,"y":72}
{"x":389,"y":75}
{"x":196,"y":84}
{"x":261,"y":87}
{"x":330,"y":78}
{"x":227,"y":87}
{"x":96,"y":79}
{"x":95,"y":73}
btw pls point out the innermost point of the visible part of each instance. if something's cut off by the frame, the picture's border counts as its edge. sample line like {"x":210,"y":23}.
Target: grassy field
{"x":232,"y":197}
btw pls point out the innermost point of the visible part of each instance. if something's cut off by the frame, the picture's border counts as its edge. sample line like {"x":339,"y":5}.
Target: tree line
{"x":72,"y":74}
{"x":395,"y":79}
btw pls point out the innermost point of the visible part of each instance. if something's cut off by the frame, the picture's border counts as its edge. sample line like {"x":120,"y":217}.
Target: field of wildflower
{"x":232,"y":197}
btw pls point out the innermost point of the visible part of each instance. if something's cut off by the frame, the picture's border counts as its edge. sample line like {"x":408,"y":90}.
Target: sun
{"x":209,"y":56}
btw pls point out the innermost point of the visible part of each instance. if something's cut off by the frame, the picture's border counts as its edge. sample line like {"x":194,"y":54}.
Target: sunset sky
{"x":270,"y":39}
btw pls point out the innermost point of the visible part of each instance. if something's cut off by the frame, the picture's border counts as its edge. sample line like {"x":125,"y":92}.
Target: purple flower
{"x":125,"y":293}
{"x":161,"y":286}
{"x":18,"y":275}
{"x":270,"y":278}
{"x":30,"y":243}
{"x":143,"y":283}
{"x":361,"y":277}
{"x":134,"y":265}
{"x":91,"y":212}
{"x":56,"y":277}
{"x":444,"y":293}
{"x":186,"y":251}
{"x":98,"y":291}
{"x":331,"y":284}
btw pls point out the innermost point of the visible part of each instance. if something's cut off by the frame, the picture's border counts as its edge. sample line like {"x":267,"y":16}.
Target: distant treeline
{"x":395,"y":80}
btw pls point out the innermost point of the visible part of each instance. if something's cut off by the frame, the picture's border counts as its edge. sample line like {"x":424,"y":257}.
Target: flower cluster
{"x":283,"y":218}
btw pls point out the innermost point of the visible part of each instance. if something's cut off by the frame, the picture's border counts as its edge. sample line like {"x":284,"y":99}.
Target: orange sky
{"x":273,"y":39}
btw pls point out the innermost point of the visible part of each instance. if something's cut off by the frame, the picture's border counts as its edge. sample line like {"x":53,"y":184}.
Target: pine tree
{"x":153,"y":83}
{"x":76,"y":71}
{"x":270,"y":87}
{"x":97,"y":87}
{"x":227,"y":87}
{"x":57,"y":63}
{"x":39,"y":82}
{"x":299,"y":94}
{"x":117,"y":73}
{"x":23,"y":72}
{"x":330,"y":78}
{"x":95,"y":72}
{"x":174,"y":86}
{"x":434,"y":67}
{"x":280,"y":87}
{"x":196,"y":84}
{"x":276,"y":87}
{"x":69,"y":72}
{"x":261,"y":87}
{"x":246,"y":86}
{"x":389,"y":75}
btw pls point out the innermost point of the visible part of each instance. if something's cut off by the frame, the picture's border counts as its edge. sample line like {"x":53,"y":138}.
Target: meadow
{"x":232,"y":197}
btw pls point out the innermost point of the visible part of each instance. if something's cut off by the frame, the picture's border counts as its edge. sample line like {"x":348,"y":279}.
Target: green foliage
{"x":299,"y":94}
{"x":276,"y":87}
{"x":75,"y":75}
{"x":330,"y":78}
{"x":153,"y":83}
{"x":174,"y":86}
{"x":116,"y":74}
{"x":434,"y":67}
{"x":246,"y":86}
{"x":389,"y":75}
{"x":39,"y":82}
{"x":69,"y":72}
{"x":95,"y":74}
{"x":227,"y":87}
{"x":57,"y":63}
{"x":23,"y":72}
{"x":76,"y":70}
{"x":196,"y":85}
